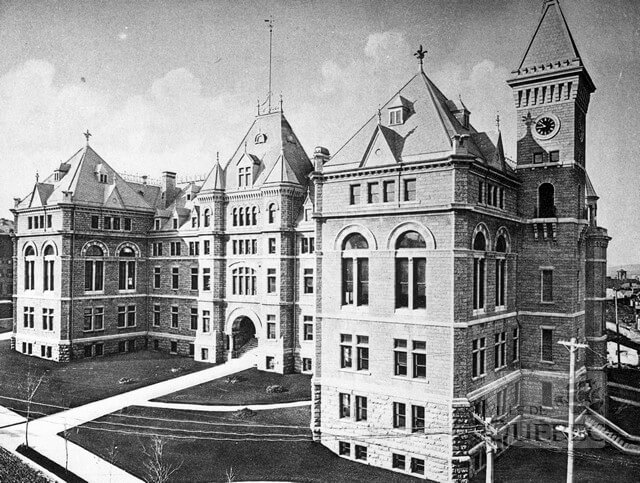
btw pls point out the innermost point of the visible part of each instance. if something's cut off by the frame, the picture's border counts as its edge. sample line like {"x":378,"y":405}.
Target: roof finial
{"x":258,"y":107}
{"x":37,"y":176}
{"x":281,"y":103}
{"x":498,"y":121}
{"x":420,"y":53}
{"x":218,"y":157}
{"x":269,"y":21}
{"x":87,"y":135}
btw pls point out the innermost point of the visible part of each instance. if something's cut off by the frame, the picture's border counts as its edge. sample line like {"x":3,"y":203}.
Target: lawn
{"x":13,"y":469}
{"x":6,"y":325}
{"x":80,"y":382}
{"x":246,"y":387}
{"x":260,"y":445}
{"x":527,"y":464}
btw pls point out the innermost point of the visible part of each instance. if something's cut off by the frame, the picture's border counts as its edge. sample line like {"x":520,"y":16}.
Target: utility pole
{"x":573,"y":347}
{"x":617,"y":326}
{"x":490,"y":446}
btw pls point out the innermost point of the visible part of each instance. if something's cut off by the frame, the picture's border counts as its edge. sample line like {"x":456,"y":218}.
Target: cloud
{"x":171,"y":125}
{"x":122,"y":36}
{"x":385,"y":44}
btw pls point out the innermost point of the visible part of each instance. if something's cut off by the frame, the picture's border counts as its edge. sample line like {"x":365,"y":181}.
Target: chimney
{"x":320,"y":156}
{"x":460,"y":142}
{"x":460,"y":112}
{"x":168,"y":183}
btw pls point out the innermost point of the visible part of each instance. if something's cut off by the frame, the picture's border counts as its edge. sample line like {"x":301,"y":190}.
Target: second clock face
{"x":546,"y":126}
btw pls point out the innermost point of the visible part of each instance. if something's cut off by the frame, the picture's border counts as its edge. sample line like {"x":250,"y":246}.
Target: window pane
{"x":419,"y":283}
{"x":347,"y":281}
{"x":363,"y":281}
{"x":410,"y":239}
{"x":402,"y":282}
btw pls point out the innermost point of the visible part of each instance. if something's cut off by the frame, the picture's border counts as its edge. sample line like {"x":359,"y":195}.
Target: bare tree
{"x":230,"y":476}
{"x":157,"y":468}
{"x":30,"y":386}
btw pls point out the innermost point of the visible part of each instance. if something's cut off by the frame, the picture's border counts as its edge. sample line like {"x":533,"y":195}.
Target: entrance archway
{"x":243,"y":335}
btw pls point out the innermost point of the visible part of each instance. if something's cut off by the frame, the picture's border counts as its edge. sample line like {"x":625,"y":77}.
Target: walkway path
{"x":222,"y":409}
{"x":43,"y":432}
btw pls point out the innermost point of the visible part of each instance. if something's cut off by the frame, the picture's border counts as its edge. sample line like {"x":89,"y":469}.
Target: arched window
{"x":48,"y":267}
{"x":241,"y":216}
{"x":127,"y":278}
{"x":247,"y":216}
{"x":411,"y":271}
{"x":272,"y":213}
{"x":501,"y":271}
{"x":235,"y":217}
{"x":355,"y":270}
{"x":207,"y":217}
{"x":546,"y":201}
{"x":254,"y":216}
{"x":94,"y":269}
{"x":243,"y":281}
{"x":479,"y":269}
{"x":29,"y":268}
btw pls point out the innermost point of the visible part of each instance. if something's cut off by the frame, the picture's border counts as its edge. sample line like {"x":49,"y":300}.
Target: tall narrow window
{"x":500,"y":350}
{"x":345,"y":405}
{"x":417,"y":419}
{"x":156,"y":315}
{"x":479,"y":278}
{"x":308,"y":281}
{"x":419,"y":359}
{"x":156,"y":277}
{"x":272,"y":213}
{"x":361,"y":408}
{"x":271,"y":280}
{"x":411,"y":271}
{"x":48,"y":266}
{"x":409,"y":190}
{"x":547,"y":345}
{"x":174,"y":316}
{"x":399,"y":415}
{"x":516,"y":344}
{"x":346,"y":351}
{"x":194,"y":278}
{"x":362,"y":352}
{"x":373,"y":192}
{"x":547,"y":394}
{"x":206,"y":279}
{"x":400,"y":357}
{"x":94,"y":269}
{"x":355,"y":270}
{"x":354,"y":194}
{"x":207,"y":217}
{"x":29,"y":268}
{"x":478,"y":348}
{"x":389,"y":191}
{"x":546,"y":202}
{"x":547,"y":285}
{"x":194,"y":318}
{"x":127,"y":273}
{"x":501,"y":278}
{"x":175,"y":278}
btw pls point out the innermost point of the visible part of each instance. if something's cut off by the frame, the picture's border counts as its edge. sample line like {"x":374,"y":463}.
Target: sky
{"x":167,"y":85}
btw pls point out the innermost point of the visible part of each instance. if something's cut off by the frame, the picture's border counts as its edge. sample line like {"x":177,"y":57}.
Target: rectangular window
{"x":478,"y":347}
{"x":399,"y":415}
{"x":500,"y":350}
{"x":131,"y":316}
{"x":478,"y":283}
{"x":547,"y":285}
{"x":308,"y":281}
{"x":88,"y":350}
{"x":127,"y":275}
{"x":547,"y":394}
{"x":204,"y":353}
{"x":419,"y":359}
{"x":398,"y":461}
{"x":417,"y":466}
{"x":402,"y":282}
{"x":373,"y":192}
{"x":192,"y":248}
{"x":312,"y":244}
{"x":481,"y":192}
{"x":194,"y":278}
{"x":156,"y":224}
{"x":175,"y":277}
{"x":501,"y":402}
{"x":156,"y":315}
{"x":389,"y":191}
{"x":400,"y":357}
{"x":93,"y":275}
{"x":116,"y":223}
{"x":419,"y":283}
{"x":360,"y":452}
{"x":271,"y":328}
{"x":47,"y":319}
{"x":346,"y":351}
{"x":354,"y":197}
{"x":127,"y":224}
{"x":156,"y":277}
{"x":29,"y":275}
{"x":306,"y":364}
{"x":173,"y":347}
{"x":192,"y":349}
{"x":270,"y":363}
{"x":194,"y":318}
{"x":344,"y":448}
{"x":363,"y":281}
{"x":98,"y":318}
{"x":206,"y":321}
{"x":409,"y":189}
{"x":516,"y":344}
{"x":156,"y":249}
{"x":49,"y":350}
{"x":554,"y":156}
{"x":271,"y":280}
{"x":347,"y":281}
{"x":345,"y":405}
{"x":547,"y":345}
{"x":272,"y":245}
{"x":175,"y":249}
{"x":361,"y":408}
{"x":174,"y":316}
{"x":206,"y":249}
{"x":122,"y":316}
{"x":537,"y":158}
{"x":95,"y":220}
{"x":417,"y":419}
{"x":47,"y":266}
{"x":500,"y":282}
{"x":175,"y":223}
{"x":206,"y":279}
{"x":362,"y":352}
{"x":307,"y":330}
{"x":107,"y":223}
{"x":88,"y":319}
{"x":304,"y":242}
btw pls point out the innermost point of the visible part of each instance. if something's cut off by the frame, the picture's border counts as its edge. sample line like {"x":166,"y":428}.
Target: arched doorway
{"x":243,"y":335}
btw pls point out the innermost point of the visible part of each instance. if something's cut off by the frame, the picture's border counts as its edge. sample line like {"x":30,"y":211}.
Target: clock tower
{"x":558,"y":258}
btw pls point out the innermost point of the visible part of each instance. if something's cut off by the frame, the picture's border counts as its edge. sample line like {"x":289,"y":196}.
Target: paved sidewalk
{"x":219,"y":408}
{"x":6,"y":335}
{"x":43,"y":432}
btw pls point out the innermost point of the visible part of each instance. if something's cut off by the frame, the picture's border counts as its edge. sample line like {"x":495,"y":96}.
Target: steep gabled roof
{"x":281,"y":172}
{"x":426,"y":133}
{"x":552,"y":40}
{"x":81,"y":180}
{"x":589,"y":189}
{"x":215,"y":179}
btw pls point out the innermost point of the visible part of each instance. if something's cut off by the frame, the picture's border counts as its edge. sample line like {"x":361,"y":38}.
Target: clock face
{"x":546,"y":126}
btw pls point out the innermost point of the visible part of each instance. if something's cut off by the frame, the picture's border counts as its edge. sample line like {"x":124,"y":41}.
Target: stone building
{"x":460,"y":271}
{"x":419,"y":274}
{"x":6,"y":270}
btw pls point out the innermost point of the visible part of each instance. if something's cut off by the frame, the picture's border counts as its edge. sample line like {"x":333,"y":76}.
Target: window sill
{"x":551,"y":363}
{"x":128,"y":290}
{"x":479,"y":312}
{"x":355,"y":371}
{"x":92,"y":330}
{"x":498,"y":369}
{"x":126,"y":327}
{"x":477,"y":378}
{"x":547,"y":302}
{"x":94,"y":292}
{"x":500,"y":308}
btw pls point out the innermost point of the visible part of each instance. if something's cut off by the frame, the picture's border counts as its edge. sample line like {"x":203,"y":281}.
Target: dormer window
{"x":396,"y":116}
{"x":244,"y":177}
{"x":102,"y":178}
{"x":261,"y":138}
{"x":157,"y":224}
